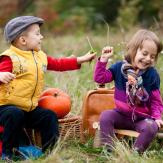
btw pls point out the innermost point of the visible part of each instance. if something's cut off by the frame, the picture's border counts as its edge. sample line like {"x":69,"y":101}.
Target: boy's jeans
{"x":14,"y":119}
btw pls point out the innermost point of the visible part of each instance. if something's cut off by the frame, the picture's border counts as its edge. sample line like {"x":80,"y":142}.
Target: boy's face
{"x":33,"y":38}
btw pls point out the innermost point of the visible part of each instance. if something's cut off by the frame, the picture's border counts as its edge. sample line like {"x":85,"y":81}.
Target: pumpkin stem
{"x":55,"y":94}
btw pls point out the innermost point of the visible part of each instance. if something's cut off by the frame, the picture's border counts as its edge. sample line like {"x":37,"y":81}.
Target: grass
{"x":76,"y":84}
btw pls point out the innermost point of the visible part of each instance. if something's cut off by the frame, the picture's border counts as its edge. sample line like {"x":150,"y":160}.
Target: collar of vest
{"x":19,"y":51}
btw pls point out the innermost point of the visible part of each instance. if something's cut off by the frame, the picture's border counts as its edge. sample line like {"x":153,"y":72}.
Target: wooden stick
{"x":108,"y":32}
{"x":90,"y":43}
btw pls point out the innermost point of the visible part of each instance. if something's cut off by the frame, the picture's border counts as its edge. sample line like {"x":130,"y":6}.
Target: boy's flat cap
{"x":17,"y":25}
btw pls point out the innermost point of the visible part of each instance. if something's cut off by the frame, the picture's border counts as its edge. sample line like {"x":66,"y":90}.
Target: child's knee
{"x":106,"y":116}
{"x":51,"y":116}
{"x":150,"y":126}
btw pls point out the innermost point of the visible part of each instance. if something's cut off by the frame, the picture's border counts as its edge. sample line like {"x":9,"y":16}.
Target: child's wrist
{"x":80,"y":60}
{"x":103,"y":59}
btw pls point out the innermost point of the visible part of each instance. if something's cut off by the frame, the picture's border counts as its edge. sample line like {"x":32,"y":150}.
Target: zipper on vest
{"x":36,"y":80}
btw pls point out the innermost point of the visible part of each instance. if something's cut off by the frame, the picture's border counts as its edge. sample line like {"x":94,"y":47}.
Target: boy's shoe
{"x":29,"y":152}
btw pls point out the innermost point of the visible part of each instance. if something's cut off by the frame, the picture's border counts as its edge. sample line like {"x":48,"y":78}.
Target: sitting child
{"x":137,"y":95}
{"x":22,"y":69}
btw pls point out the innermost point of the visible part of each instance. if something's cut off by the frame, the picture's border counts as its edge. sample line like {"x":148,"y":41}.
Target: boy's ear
{"x":22,"y":40}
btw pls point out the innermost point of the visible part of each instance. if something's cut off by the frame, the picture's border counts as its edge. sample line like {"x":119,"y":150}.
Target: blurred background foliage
{"x":63,"y":16}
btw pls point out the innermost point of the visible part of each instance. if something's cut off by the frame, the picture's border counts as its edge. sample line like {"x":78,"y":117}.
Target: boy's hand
{"x":159,"y":122}
{"x":87,"y":57}
{"x":107,"y":52}
{"x":6,"y":77}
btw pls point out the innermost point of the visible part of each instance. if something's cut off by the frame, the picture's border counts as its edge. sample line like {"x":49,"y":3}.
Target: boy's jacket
{"x":25,"y":89}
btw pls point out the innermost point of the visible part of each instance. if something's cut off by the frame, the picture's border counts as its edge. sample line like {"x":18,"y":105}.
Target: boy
{"x":22,"y":69}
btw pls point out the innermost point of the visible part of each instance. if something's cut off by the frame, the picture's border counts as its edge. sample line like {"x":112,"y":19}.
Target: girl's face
{"x":146,"y":55}
{"x":33,"y":38}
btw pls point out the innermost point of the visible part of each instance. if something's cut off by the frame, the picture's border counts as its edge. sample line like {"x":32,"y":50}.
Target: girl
{"x":137,"y":95}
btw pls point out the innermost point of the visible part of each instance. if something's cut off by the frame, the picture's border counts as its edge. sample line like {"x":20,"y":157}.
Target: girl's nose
{"x":148,"y":57}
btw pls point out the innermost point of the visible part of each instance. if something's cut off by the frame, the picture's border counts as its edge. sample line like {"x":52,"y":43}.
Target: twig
{"x":108,"y":32}
{"x":90,"y":44}
{"x":92,"y":50}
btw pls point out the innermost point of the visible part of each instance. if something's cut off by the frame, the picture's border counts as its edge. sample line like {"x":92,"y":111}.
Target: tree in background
{"x":149,"y":11}
{"x":62,"y":16}
{"x":7,"y":8}
{"x":128,"y":14}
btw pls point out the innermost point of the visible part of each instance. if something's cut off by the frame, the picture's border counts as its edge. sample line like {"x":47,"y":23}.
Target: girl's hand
{"x":159,"y":122}
{"x":6,"y":77}
{"x":87,"y":57}
{"x":107,"y":52}
{"x":131,"y":79}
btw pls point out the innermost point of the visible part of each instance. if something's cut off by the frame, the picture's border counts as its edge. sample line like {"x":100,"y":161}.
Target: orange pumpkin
{"x":56,"y":100}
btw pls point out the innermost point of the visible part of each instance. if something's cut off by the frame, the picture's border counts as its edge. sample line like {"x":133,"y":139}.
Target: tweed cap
{"x":17,"y":25}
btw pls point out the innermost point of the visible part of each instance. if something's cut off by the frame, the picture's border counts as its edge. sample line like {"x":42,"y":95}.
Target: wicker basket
{"x":69,"y":128}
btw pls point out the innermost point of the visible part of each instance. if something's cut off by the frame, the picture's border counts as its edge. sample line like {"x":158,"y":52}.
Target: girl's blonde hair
{"x":137,"y":41}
